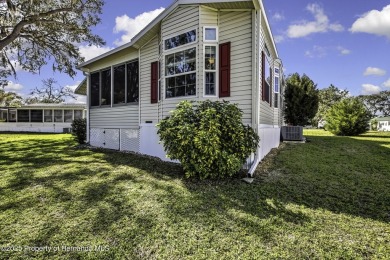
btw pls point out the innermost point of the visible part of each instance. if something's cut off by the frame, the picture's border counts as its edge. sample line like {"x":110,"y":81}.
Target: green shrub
{"x":208,"y":138}
{"x":79,"y":130}
{"x":348,"y":117}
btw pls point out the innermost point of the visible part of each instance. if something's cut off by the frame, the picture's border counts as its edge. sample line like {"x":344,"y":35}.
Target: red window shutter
{"x":224,"y":69}
{"x":154,"y":82}
{"x":263,"y":94}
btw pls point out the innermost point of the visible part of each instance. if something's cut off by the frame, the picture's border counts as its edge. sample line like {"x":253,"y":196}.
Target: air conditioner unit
{"x":292,"y":133}
{"x":67,"y":130}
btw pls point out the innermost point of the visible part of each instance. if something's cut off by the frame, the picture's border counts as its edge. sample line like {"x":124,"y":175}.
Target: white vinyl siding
{"x":149,"y":54}
{"x":115,"y":59}
{"x":114,"y":117}
{"x":236,"y":27}
{"x":267,"y":116}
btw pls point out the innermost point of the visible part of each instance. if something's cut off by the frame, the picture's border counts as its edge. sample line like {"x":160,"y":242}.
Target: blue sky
{"x":344,"y":43}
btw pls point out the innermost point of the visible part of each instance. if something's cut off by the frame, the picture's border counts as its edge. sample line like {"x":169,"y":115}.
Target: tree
{"x":208,"y":138}
{"x":10,"y":99}
{"x":348,"y":117}
{"x":300,"y":99}
{"x":50,"y":92}
{"x":327,"y":97}
{"x":32,"y":32}
{"x":377,"y":103}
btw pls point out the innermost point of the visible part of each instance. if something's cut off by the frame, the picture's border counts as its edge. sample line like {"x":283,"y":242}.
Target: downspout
{"x":86,"y":74}
{"x":256,"y":85}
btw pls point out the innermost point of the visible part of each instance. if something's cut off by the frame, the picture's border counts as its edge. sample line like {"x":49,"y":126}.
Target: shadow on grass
{"x":340,"y":174}
{"x":130,"y":202}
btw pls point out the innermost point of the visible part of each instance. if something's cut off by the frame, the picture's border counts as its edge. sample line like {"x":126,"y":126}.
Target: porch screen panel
{"x":36,"y":116}
{"x":23,"y":116}
{"x":132,"y":82}
{"x":95,"y":89}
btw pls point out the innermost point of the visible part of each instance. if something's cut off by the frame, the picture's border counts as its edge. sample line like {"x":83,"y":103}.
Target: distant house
{"x":383,"y":123}
{"x":48,"y":118}
{"x":194,"y":50}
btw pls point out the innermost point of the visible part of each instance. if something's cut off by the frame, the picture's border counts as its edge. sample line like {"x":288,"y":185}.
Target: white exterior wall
{"x":269,"y":116}
{"x":269,"y":139}
{"x":236,"y":27}
{"x":149,"y":53}
{"x":124,"y":116}
{"x":114,"y":126}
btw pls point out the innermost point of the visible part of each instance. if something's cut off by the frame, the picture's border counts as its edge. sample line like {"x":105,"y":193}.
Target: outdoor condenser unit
{"x":292,"y":133}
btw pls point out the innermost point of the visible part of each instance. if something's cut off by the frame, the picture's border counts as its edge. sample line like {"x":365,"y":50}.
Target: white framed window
{"x":210,"y":34}
{"x":276,"y":81}
{"x":210,"y":70}
{"x":180,"y":73}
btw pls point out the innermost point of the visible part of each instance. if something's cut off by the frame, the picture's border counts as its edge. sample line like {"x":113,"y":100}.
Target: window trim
{"x":165,"y":51}
{"x":216,"y":70}
{"x":196,"y":71}
{"x":216,"y":33}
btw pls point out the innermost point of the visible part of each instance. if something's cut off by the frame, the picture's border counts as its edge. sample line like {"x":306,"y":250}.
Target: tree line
{"x":342,"y":113}
{"x":34,"y":34}
{"x":49,"y":92}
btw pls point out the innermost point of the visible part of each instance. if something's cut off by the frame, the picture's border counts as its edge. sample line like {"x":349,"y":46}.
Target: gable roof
{"x":153,"y":27}
{"x":81,"y":88}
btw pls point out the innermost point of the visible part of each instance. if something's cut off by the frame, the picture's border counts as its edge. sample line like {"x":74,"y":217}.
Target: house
{"x":383,"y":123}
{"x":47,"y":118}
{"x":194,"y":50}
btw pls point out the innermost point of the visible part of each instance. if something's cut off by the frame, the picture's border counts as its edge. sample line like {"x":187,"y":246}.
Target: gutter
{"x":86,"y":74}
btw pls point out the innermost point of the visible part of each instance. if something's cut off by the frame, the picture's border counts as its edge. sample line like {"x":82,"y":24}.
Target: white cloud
{"x":90,"y":52}
{"x":374,"y":72}
{"x":12,"y":87}
{"x":279,"y":38}
{"x":131,"y":26}
{"x":374,"y":22}
{"x":321,"y":24}
{"x":276,"y":17}
{"x":368,"y":89}
{"x":316,"y":52}
{"x":387,"y":83}
{"x":343,"y":51}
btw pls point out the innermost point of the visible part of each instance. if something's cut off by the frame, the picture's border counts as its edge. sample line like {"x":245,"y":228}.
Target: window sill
{"x":182,"y":97}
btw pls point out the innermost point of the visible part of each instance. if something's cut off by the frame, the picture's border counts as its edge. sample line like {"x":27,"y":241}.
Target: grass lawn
{"x":326,"y":199}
